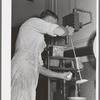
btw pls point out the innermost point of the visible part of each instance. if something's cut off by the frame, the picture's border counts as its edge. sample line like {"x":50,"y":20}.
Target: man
{"x":27,"y":62}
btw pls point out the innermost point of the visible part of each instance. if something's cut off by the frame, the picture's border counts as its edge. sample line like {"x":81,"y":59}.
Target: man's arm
{"x":49,"y":73}
{"x":63,"y":31}
{"x":60,"y":31}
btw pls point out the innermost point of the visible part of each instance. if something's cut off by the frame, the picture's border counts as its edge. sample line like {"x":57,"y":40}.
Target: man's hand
{"x":67,"y":76}
{"x":70,"y":29}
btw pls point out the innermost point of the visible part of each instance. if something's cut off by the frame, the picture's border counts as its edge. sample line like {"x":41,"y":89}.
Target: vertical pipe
{"x":74,"y":3}
{"x":67,"y":39}
{"x":52,"y":5}
{"x":56,"y":6}
{"x":76,"y":90}
{"x":68,"y":6}
{"x":64,"y":88}
{"x":48,"y":65}
{"x":72,"y":64}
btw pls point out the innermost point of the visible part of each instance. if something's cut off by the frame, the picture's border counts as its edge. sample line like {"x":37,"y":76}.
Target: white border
{"x":97,"y":50}
{"x":6,"y":51}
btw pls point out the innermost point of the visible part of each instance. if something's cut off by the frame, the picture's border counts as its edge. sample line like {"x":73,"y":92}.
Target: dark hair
{"x":46,"y":13}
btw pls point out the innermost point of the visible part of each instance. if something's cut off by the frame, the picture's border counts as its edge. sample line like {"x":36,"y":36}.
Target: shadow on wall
{"x":92,"y":59}
{"x":13,"y":39}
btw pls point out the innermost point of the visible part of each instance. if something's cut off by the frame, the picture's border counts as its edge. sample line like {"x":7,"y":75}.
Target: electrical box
{"x":72,"y":20}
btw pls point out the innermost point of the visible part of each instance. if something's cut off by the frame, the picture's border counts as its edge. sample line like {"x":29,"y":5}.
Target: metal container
{"x":56,"y":50}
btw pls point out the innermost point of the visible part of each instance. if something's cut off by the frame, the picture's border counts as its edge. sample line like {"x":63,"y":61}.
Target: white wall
{"x":23,"y":9}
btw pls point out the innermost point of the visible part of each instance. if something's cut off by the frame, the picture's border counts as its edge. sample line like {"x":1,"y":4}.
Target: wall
{"x":62,"y":9}
{"x":23,"y":9}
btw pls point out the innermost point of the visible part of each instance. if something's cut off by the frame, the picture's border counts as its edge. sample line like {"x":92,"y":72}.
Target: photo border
{"x":5,"y":37}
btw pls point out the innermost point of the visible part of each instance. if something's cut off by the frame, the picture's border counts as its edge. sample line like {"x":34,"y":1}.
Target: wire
{"x":75,"y":57}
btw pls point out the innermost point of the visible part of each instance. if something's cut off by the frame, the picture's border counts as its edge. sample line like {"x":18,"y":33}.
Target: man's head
{"x":49,"y":16}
